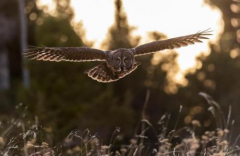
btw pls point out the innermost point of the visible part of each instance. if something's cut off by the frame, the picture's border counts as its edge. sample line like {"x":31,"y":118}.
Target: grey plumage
{"x":117,"y":63}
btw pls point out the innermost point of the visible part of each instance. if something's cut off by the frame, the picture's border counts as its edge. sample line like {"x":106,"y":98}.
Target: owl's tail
{"x":102,"y":73}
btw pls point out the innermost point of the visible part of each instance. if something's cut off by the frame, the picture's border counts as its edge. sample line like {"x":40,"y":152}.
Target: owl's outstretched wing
{"x":102,"y":73}
{"x":72,"y":54}
{"x":170,"y":43}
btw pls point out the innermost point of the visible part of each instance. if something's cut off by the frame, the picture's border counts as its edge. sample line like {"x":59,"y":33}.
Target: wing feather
{"x":72,"y":54}
{"x":171,"y":43}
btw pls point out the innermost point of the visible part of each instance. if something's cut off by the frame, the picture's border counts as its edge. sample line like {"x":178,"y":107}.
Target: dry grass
{"x":77,"y":143}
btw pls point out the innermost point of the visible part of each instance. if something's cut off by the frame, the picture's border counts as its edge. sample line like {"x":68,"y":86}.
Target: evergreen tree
{"x":219,"y":74}
{"x":148,"y":76}
{"x":120,"y":34}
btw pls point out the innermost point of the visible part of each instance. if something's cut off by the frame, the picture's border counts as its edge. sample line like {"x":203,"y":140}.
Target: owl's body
{"x":117,"y":63}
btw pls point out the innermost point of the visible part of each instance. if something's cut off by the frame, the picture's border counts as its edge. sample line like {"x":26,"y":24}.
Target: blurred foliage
{"x":119,"y":35}
{"x":64,"y":98}
{"x":219,"y":73}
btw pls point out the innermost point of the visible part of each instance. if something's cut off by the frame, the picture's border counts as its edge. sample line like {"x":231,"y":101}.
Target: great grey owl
{"x":116,"y":63}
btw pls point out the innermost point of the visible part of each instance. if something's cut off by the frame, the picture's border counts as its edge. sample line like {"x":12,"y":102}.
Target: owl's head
{"x":121,"y":60}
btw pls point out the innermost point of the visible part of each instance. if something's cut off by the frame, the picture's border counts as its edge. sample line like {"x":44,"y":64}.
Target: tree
{"x":148,"y":76}
{"x":12,"y":41}
{"x":120,"y":33}
{"x":219,"y":73}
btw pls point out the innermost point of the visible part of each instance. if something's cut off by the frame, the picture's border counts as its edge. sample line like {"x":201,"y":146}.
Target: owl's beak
{"x":123,"y":69}
{"x":119,"y":70}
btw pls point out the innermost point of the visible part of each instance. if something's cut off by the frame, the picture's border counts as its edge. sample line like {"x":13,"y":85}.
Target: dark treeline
{"x":63,"y":98}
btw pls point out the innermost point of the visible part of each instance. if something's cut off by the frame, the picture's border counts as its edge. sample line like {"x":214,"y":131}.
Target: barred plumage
{"x":72,"y":54}
{"x":117,"y":63}
{"x":170,"y":43}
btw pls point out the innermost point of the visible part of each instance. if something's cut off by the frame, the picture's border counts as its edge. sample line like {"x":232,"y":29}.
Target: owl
{"x":116,"y":64}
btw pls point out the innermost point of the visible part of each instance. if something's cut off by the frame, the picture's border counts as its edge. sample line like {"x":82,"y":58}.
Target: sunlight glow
{"x":172,"y":17}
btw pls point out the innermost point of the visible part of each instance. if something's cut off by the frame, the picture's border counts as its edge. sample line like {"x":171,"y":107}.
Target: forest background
{"x":60,"y":98}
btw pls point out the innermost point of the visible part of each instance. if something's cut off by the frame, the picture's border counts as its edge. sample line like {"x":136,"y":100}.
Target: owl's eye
{"x":126,"y":60}
{"x":118,"y":60}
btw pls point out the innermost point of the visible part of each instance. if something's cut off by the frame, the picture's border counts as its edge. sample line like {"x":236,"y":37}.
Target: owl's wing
{"x":72,"y":54}
{"x":102,"y":73}
{"x":170,"y":43}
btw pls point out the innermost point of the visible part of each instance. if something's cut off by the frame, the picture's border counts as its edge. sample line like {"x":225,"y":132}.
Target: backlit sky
{"x":172,"y":17}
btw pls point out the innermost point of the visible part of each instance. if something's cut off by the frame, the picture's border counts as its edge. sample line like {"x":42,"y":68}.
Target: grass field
{"x":175,"y":142}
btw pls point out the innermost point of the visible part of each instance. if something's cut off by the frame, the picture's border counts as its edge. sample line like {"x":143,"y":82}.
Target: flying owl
{"x":116,"y":63}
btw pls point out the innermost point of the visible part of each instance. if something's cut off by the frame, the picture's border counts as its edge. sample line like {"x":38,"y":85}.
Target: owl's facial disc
{"x":122,"y":61}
